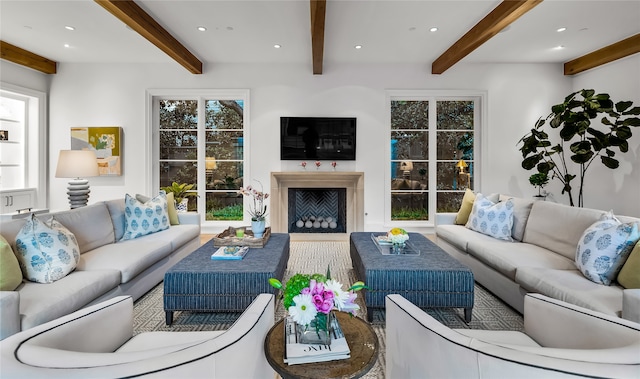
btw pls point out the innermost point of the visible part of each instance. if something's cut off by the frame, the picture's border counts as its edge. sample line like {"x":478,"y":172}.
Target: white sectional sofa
{"x":540,"y":260}
{"x":107,"y":268}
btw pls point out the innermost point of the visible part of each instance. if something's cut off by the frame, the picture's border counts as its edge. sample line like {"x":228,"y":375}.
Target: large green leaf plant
{"x":591,"y":125}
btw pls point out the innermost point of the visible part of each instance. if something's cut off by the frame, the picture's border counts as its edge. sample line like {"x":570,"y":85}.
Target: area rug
{"x":489,"y":312}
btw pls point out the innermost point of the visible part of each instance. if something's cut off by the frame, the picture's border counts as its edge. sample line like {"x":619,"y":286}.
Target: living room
{"x":515,"y":90}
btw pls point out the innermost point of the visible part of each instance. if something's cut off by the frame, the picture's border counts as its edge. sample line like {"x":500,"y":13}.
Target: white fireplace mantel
{"x":279,"y":199}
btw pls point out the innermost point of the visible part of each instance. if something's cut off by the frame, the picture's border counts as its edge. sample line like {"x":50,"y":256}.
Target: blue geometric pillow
{"x":46,"y":252}
{"x":604,"y":247}
{"x":145,"y":218}
{"x":492,"y":219}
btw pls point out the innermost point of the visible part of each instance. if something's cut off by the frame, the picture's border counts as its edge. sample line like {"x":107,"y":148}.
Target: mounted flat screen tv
{"x":318,"y":138}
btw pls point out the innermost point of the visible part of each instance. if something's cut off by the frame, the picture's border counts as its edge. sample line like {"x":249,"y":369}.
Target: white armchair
{"x":560,"y":340}
{"x":98,"y":342}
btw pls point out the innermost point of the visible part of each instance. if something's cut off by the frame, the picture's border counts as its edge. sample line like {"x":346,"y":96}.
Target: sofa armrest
{"x":557,"y":324}
{"x":192,"y":218}
{"x":631,"y":304}
{"x":9,"y":313}
{"x":447,"y":218}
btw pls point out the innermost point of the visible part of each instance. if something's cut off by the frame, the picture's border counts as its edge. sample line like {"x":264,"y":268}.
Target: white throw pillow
{"x":144,"y":218}
{"x":46,"y":252}
{"x":604,"y":247}
{"x":492,"y":219}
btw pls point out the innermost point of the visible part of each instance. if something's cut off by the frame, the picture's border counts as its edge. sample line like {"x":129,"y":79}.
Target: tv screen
{"x":318,"y":138}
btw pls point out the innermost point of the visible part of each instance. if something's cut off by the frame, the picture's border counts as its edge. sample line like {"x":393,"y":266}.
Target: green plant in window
{"x":180,"y":191}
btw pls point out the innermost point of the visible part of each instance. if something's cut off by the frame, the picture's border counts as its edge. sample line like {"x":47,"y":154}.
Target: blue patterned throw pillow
{"x":145,"y":218}
{"x":604,"y":247}
{"x":492,"y":219}
{"x":46,"y":251}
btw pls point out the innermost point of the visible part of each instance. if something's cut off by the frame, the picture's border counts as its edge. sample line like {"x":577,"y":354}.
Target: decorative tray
{"x":228,"y":238}
{"x":386,"y":248}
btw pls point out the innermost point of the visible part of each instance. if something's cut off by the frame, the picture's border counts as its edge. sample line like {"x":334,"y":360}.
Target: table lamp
{"x":77,"y":164}
{"x":467,"y":176}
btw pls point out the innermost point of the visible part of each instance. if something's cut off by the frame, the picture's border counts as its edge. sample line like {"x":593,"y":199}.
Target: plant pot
{"x":181,"y":207}
{"x":257,"y":227}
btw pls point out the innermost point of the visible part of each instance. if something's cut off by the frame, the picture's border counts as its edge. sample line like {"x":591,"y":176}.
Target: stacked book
{"x":297,"y":353}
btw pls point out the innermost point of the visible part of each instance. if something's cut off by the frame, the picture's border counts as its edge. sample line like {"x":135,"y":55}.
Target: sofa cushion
{"x":570,"y":286}
{"x":129,"y":258}
{"x":46,"y":251}
{"x":558,"y":227}
{"x":493,"y":219}
{"x":171,"y":206}
{"x":521,"y":210}
{"x":508,"y":257}
{"x":40,"y":303}
{"x":116,"y":211}
{"x":10,"y":273}
{"x":629,"y":275}
{"x":604,"y":247}
{"x":91,"y":225}
{"x":465,"y":208}
{"x":456,"y":235}
{"x":145,"y":218}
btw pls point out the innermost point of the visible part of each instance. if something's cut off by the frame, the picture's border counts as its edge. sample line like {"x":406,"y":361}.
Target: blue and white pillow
{"x":604,"y":247}
{"x":46,"y":251}
{"x":145,"y":218}
{"x":492,"y":219}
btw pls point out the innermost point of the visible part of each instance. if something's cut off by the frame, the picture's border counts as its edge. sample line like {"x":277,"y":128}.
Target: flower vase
{"x":257,"y":227}
{"x":318,"y":331}
{"x":397,"y":248}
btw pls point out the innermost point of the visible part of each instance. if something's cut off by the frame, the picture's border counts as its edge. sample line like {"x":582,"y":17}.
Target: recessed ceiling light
{"x":202,"y":28}
{"x":277,"y":46}
{"x":562,"y":29}
{"x":559,"y":47}
{"x":434,"y":29}
{"x":67,"y":45}
{"x":357,"y":47}
{"x":68,"y":27}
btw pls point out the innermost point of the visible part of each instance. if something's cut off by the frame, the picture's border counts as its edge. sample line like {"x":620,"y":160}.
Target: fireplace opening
{"x":317,"y":210}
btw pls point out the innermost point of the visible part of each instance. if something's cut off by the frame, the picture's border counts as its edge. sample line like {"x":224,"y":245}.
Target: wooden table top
{"x":362,"y":341}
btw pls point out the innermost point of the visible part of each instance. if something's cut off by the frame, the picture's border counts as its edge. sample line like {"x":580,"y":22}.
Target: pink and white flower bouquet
{"x":313,"y":297}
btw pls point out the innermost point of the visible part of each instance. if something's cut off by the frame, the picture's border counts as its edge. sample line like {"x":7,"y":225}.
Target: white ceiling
{"x":390,"y":31}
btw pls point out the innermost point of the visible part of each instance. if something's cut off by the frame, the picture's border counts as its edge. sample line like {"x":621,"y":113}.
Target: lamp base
{"x":78,"y":192}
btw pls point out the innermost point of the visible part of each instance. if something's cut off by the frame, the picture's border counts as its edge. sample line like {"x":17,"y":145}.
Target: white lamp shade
{"x":210,"y":163}
{"x":406,"y":165}
{"x":77,"y":164}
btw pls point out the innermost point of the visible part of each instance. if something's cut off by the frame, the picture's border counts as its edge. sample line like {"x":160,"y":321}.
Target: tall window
{"x":201,"y":141}
{"x":433,"y":142}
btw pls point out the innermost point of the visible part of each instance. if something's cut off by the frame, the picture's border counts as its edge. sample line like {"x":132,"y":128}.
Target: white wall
{"x":615,"y":189}
{"x":113,"y":94}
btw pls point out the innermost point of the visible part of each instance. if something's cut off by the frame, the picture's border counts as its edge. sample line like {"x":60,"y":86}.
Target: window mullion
{"x":433,"y":155}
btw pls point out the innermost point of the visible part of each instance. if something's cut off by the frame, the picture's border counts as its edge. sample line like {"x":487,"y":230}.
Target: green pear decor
{"x":591,"y":125}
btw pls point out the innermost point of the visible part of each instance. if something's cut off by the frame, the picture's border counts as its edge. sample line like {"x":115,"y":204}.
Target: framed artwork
{"x":106,"y":141}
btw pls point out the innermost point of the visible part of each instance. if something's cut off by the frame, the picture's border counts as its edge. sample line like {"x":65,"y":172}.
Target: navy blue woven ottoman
{"x":429,"y":280}
{"x":199,"y":284}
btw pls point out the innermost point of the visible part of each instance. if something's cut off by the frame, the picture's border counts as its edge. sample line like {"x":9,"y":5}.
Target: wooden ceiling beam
{"x":620,"y":49}
{"x":137,"y":19}
{"x":502,"y":16}
{"x":318,"y":11}
{"x":26,"y":58}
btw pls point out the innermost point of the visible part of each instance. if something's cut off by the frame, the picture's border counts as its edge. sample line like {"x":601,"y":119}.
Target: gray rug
{"x":489,"y":312}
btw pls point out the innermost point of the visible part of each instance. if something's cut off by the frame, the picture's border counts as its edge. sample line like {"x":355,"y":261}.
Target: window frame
{"x":433,"y":96}
{"x":153,"y":142}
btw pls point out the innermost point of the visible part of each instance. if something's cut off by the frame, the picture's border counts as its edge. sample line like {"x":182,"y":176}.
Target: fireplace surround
{"x":352,"y":182}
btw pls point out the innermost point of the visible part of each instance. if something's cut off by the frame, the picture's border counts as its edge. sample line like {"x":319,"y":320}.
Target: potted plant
{"x":592,"y":125}
{"x":180,"y":194}
{"x":539,"y":180}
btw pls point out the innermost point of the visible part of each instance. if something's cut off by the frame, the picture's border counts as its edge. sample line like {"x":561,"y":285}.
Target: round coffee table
{"x":362,"y":341}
